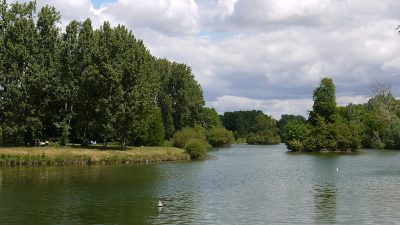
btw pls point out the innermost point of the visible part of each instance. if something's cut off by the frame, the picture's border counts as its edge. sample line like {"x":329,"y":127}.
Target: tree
{"x":285,"y":119}
{"x":329,"y":128}
{"x":83,"y":123}
{"x":164,"y":97}
{"x":324,"y":101}
{"x":19,"y":118}
{"x":295,"y":133}
{"x":180,"y":98}
{"x":156,"y":129}
{"x":67,"y":84}
{"x":84,"y":84}
{"x":187,"y":97}
{"x":210,"y":119}
{"x":245,"y":122}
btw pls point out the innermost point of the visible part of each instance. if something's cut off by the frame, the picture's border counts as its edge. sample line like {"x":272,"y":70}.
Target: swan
{"x":159,"y":204}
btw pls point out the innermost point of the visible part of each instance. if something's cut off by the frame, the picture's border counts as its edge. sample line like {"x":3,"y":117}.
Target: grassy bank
{"x":14,"y":156}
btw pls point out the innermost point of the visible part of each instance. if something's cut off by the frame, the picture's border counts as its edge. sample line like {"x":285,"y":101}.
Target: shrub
{"x":263,"y":138}
{"x":181,"y":137}
{"x":196,"y":148}
{"x":295,"y":130}
{"x":220,"y":137}
{"x":295,"y":146}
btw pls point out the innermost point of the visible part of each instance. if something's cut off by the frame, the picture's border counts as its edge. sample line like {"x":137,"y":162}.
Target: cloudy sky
{"x":263,"y":54}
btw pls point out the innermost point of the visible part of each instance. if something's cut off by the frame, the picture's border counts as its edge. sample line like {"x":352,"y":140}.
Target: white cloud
{"x":392,"y":65}
{"x":345,"y":100}
{"x":166,"y":16}
{"x":264,"y":53}
{"x":226,"y":7}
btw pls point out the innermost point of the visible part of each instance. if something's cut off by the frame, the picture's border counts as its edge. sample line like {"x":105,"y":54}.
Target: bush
{"x":263,"y":138}
{"x":295,"y":130}
{"x":220,"y":137}
{"x":181,"y":137}
{"x":295,"y":146}
{"x":196,"y":148}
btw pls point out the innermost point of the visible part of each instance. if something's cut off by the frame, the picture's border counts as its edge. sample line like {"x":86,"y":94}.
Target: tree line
{"x":80,"y":83}
{"x":253,"y":125}
{"x":375,"y":124}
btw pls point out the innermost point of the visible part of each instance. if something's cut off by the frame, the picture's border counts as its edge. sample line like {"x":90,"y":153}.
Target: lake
{"x":238,"y":185}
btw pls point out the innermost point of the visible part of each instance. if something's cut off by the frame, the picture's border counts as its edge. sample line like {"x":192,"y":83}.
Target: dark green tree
{"x":210,"y":119}
{"x":245,"y":122}
{"x":84,"y":120}
{"x":180,"y":98}
{"x":86,"y":84}
{"x":19,"y":67}
{"x":324,"y":101}
{"x":285,"y":119}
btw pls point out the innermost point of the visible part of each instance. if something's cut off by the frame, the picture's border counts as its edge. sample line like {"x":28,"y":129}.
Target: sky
{"x":267,"y":55}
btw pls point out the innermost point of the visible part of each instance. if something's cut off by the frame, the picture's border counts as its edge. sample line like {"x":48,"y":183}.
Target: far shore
{"x":324,"y":151}
{"x":70,"y":155}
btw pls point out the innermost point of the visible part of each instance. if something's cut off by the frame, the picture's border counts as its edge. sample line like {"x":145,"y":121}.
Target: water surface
{"x":239,"y":185}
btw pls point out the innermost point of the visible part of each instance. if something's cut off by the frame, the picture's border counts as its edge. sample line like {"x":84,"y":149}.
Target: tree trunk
{"x":65,"y":129}
{"x":105,"y":142}
{"x":3,"y":135}
{"x":123,"y":143}
{"x":84,"y":133}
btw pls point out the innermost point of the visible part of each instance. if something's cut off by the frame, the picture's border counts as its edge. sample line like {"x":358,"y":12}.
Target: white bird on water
{"x":159,"y":204}
{"x":337,"y":170}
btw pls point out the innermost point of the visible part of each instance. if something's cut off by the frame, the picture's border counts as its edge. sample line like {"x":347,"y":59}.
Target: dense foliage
{"x":263,"y":138}
{"x":324,"y":101}
{"x":254,"y":125}
{"x":378,"y":119}
{"x":197,"y":149}
{"x":192,"y":141}
{"x":183,"y":136}
{"x":220,"y":137}
{"x":326,"y":129}
{"x":89,"y":84}
{"x":285,"y":119}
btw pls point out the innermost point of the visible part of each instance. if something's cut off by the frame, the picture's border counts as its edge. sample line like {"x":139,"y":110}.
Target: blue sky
{"x":263,"y":54}
{"x":97,"y":3}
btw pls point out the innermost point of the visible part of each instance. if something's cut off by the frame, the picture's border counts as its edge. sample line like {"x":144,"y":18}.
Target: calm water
{"x":240,"y":185}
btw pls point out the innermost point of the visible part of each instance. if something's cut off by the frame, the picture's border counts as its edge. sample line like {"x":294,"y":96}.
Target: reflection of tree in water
{"x":325,"y":204}
{"x":78,"y":195}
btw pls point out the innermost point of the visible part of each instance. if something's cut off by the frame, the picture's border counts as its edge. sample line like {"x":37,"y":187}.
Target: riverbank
{"x":69,"y":155}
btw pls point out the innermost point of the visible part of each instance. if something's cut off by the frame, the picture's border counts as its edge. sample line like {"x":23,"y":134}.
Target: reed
{"x":68,"y":155}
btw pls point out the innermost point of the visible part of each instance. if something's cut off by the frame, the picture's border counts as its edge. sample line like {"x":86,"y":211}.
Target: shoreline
{"x":66,"y":155}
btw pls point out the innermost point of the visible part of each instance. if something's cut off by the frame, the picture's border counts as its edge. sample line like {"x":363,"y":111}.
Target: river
{"x":238,"y":185}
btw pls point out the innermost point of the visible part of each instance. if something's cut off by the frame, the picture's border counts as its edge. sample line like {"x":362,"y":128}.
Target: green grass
{"x":69,"y":155}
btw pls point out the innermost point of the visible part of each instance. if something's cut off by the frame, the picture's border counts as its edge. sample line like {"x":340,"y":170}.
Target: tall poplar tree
{"x":324,"y":101}
{"x":19,"y":66}
{"x":44,"y":85}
